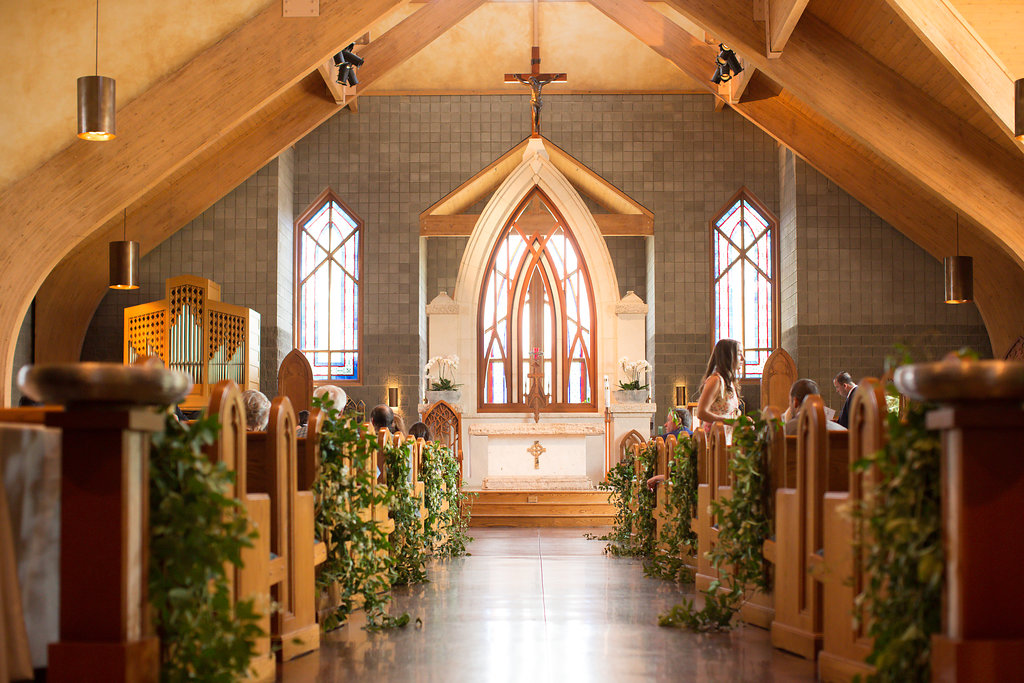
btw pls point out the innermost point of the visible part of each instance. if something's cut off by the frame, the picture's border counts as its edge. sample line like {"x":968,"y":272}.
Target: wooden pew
{"x":666,"y":452}
{"x":295,"y":380}
{"x":712,"y":476}
{"x":821,"y":465}
{"x":259,"y":573}
{"x":777,"y":377}
{"x":273,"y":469}
{"x":845,"y":644}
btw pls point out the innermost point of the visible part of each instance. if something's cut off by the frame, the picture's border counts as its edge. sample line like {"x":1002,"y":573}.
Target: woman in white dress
{"x":720,"y":395}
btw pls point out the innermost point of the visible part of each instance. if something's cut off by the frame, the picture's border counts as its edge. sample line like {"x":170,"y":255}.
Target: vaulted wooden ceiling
{"x":906,"y":104}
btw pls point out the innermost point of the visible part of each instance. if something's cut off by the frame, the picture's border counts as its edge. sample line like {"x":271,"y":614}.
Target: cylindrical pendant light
{"x":959,"y":274}
{"x":96,"y":100}
{"x":124,"y":261}
{"x":96,"y":104}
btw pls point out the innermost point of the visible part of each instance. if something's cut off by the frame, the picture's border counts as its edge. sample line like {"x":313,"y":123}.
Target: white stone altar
{"x":538,"y":456}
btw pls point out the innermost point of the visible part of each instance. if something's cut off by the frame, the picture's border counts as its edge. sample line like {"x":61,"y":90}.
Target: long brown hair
{"x":723,"y":361}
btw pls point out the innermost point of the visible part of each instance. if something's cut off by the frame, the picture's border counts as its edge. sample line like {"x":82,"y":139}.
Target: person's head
{"x":726,"y":359}
{"x":257,"y":410}
{"x":801,"y":389}
{"x":382,"y":416}
{"x":397,"y":425}
{"x":420,"y":431}
{"x":336,"y":394}
{"x":843,"y":383}
{"x":303,"y":417}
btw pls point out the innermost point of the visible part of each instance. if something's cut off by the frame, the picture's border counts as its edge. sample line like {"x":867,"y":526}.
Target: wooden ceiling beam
{"x":783,"y":16}
{"x":949,"y":37}
{"x":158,"y":132}
{"x":68,"y":299}
{"x":891,"y":192}
{"x":889,"y":115}
{"x":610,"y":224}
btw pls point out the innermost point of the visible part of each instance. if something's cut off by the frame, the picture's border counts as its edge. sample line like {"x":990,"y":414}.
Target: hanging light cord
{"x":125,"y":224}
{"x":97,"y":37}
{"x":958,"y":234}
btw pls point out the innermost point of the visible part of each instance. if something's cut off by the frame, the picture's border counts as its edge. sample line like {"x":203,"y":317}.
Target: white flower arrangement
{"x":637,"y":371}
{"x":445,"y":367}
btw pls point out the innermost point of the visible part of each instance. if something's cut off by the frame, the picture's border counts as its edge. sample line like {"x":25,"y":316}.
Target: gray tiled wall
{"x":672,"y":153}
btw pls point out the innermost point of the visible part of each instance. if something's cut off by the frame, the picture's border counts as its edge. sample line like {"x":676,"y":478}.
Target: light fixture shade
{"x":1018,"y":109}
{"x":96,"y":105}
{"x":680,"y":396}
{"x":959,"y":279}
{"x":392,"y":397}
{"x":124,"y":265}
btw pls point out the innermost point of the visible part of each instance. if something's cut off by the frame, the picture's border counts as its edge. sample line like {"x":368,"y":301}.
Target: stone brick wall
{"x":672,"y":153}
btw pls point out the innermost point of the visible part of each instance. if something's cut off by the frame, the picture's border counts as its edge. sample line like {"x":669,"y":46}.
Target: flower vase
{"x":629,"y":396}
{"x":450,"y":397}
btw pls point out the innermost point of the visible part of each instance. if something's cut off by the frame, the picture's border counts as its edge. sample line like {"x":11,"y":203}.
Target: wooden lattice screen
{"x":445,"y":425}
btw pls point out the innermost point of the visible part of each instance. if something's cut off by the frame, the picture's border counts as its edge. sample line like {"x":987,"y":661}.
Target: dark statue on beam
{"x":536,"y":81}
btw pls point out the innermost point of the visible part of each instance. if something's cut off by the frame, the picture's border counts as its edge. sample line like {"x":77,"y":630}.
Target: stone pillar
{"x":982,"y":424}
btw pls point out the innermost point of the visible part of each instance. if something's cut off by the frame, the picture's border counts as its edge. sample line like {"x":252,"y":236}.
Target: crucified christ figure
{"x":535,"y":84}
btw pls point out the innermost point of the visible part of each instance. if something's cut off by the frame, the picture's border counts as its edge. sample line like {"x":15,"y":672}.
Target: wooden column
{"x":104,"y":552}
{"x":982,"y":504}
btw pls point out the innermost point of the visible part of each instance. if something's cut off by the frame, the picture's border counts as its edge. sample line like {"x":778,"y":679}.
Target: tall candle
{"x":649,"y":387}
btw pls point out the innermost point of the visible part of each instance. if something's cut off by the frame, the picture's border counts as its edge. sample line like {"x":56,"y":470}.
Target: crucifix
{"x":535,"y":450}
{"x":535,"y":79}
{"x":536,"y":398}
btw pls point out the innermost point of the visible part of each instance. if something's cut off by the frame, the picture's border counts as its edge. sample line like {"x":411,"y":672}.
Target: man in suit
{"x":845,"y":386}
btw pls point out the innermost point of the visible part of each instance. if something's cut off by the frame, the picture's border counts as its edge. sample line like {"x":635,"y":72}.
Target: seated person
{"x":801,"y":389}
{"x":679,"y":422}
{"x":845,"y":385}
{"x":382,"y":416}
{"x":336,"y":394}
{"x":257,"y":410}
{"x":420,"y":431}
{"x":303,"y":420}
{"x":397,"y":426}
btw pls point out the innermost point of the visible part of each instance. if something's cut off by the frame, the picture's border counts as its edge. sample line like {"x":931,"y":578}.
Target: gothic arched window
{"x":744,"y":282}
{"x":327,"y":304}
{"x":537,"y":300}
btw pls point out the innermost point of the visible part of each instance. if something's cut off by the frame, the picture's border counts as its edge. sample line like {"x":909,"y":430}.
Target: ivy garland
{"x":904,"y":559}
{"x":678,"y":539}
{"x":743,"y":525}
{"x":358,"y":560}
{"x":408,"y":540}
{"x":634,"y":529}
{"x":197,"y":530}
{"x":445,"y":525}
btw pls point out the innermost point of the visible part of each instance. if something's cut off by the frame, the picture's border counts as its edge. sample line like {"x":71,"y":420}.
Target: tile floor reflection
{"x":542,"y":606}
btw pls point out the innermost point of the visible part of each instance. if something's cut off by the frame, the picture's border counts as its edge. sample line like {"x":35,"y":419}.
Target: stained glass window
{"x":743,"y":268}
{"x":327,"y":289}
{"x":537,"y":301}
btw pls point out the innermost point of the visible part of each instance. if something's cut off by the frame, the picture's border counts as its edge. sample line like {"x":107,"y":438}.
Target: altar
{"x":540,"y":456}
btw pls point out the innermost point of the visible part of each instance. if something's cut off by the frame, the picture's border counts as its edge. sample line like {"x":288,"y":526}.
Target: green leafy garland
{"x":197,"y":530}
{"x":445,"y":525}
{"x":904,"y":559}
{"x":743,"y":525}
{"x":358,"y":551}
{"x":634,"y":529}
{"x":678,"y":540}
{"x":408,"y":540}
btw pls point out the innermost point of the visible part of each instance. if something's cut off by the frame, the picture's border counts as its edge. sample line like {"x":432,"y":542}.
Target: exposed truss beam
{"x":967,"y":57}
{"x":68,"y":299}
{"x":783,"y":16}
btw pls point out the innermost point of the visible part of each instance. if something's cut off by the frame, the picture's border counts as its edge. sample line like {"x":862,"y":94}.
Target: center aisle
{"x":542,"y":605}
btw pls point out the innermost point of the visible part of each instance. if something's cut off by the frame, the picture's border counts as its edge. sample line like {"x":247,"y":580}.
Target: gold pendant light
{"x":959,"y":274}
{"x":124,"y":261}
{"x":96,"y":100}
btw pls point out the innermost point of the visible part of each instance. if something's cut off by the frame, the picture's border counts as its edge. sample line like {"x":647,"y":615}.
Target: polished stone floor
{"x":542,"y":605}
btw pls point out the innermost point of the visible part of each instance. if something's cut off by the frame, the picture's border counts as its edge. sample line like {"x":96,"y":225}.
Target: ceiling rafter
{"x":69,"y":297}
{"x":892,"y":193}
{"x":885,"y":112}
{"x":949,"y":37}
{"x":782,"y":17}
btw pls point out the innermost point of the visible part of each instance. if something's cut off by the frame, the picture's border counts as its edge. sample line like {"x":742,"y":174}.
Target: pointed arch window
{"x":537,"y":298}
{"x":327,"y":298}
{"x":744,"y":282}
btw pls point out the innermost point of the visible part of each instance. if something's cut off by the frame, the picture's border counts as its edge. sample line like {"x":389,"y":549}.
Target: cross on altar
{"x":535,"y":450}
{"x":536,"y":80}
